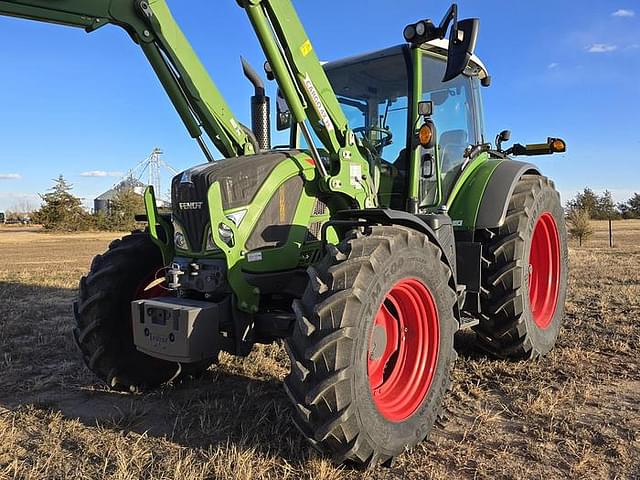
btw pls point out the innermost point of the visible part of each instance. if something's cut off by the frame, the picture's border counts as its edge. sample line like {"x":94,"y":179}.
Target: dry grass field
{"x":575,"y":414}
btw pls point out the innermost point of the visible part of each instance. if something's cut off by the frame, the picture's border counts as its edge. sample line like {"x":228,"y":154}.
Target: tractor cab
{"x":376,"y":93}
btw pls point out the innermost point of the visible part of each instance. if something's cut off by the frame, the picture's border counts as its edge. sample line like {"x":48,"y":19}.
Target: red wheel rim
{"x":403,"y":349}
{"x":544,"y":270}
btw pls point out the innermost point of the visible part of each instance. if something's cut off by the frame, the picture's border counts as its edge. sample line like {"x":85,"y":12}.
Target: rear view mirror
{"x":462,"y":44}
{"x":503,"y":136}
{"x":283,"y":121}
{"x":283,"y":114}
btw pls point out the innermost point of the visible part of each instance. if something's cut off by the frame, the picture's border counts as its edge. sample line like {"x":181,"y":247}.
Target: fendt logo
{"x":190,"y":205}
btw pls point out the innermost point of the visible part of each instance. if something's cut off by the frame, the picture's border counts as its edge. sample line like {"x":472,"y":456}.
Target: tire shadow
{"x":43,"y":370}
{"x":466,"y":344}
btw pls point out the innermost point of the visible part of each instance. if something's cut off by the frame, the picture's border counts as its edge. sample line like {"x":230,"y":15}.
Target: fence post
{"x":610,"y":234}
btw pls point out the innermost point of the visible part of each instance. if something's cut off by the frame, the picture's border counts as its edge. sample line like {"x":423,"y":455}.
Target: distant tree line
{"x":63,"y":211}
{"x":602,"y":207}
{"x":588,"y":205}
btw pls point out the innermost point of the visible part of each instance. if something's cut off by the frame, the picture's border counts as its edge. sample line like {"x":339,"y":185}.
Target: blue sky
{"x":74,"y":103}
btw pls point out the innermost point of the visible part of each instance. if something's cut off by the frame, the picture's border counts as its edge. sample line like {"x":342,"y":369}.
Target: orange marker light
{"x":425,"y":135}
{"x":558,"y":145}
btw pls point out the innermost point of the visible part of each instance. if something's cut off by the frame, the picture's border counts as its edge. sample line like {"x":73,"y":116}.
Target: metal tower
{"x":149,"y":171}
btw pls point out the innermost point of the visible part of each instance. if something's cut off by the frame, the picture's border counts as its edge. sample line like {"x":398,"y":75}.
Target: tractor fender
{"x":495,"y":200}
{"x":437,"y":227}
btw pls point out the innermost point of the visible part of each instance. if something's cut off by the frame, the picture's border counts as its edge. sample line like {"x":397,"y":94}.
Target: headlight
{"x":179,"y":238}
{"x":181,"y":241}
{"x":225,"y":232}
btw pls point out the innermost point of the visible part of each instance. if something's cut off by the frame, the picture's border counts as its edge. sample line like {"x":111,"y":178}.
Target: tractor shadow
{"x":41,"y":370}
{"x":466,"y":344}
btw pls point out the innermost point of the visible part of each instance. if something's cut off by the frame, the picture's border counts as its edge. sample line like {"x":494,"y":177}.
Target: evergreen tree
{"x":634,"y":205}
{"x":586,"y":201}
{"x":123,"y":209}
{"x":606,"y":207}
{"x":624,"y":210}
{"x":599,"y":207}
{"x":61,"y":210}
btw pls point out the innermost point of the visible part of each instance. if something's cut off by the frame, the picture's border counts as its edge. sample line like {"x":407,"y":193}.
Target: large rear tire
{"x":372,"y":347}
{"x":525,"y":274}
{"x":103,"y":330}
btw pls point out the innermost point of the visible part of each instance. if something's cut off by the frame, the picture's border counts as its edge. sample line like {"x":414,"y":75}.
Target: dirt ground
{"x":575,"y":414}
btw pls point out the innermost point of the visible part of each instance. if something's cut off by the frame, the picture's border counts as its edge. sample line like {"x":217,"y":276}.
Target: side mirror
{"x":462,"y":43}
{"x":283,"y":114}
{"x":268,"y":71}
{"x":503,"y":136}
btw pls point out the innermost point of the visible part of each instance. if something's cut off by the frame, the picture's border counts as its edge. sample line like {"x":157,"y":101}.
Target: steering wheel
{"x":377,"y":145}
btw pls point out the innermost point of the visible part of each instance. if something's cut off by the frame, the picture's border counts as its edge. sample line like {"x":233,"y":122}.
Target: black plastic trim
{"x":494,"y":203}
{"x":387,"y":216}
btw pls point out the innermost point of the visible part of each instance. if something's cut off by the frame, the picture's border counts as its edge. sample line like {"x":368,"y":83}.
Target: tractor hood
{"x":240,"y":179}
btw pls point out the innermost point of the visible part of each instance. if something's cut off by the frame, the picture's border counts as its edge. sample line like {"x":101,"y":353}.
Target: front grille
{"x":313,"y":233}
{"x":319,"y":208}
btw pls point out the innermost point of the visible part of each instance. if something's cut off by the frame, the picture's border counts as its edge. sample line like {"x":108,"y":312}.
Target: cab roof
{"x":437,"y":48}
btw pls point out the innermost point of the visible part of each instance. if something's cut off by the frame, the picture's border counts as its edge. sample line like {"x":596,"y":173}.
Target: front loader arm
{"x":310,"y":97}
{"x":298,"y":69}
{"x":151,"y":25}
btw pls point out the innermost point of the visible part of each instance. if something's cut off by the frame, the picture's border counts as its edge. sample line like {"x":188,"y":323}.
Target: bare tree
{"x":580,"y":224}
{"x":21,"y":210}
{"x":24,"y":206}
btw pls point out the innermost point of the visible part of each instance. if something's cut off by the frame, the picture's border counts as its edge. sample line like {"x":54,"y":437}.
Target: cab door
{"x":458,"y":126}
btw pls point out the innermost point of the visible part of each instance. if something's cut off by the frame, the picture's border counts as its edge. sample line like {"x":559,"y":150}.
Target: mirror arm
{"x":528,"y":150}
{"x":553,"y":145}
{"x":450,"y":16}
{"x":515,"y":150}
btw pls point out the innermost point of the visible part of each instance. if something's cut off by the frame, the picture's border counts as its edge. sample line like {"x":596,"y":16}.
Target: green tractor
{"x":388,"y":224}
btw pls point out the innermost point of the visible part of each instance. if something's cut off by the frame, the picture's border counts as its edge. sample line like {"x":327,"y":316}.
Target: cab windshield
{"x":374,"y":95}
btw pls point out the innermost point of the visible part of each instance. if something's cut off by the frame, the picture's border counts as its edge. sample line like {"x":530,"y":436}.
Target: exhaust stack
{"x":260,"y":107}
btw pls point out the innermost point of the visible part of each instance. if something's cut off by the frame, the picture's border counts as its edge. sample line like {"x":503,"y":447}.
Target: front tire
{"x":104,"y":332}
{"x":525,"y":274}
{"x":372,"y":347}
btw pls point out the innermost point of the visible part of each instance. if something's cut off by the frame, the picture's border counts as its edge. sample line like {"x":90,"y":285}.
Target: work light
{"x":409,"y":33}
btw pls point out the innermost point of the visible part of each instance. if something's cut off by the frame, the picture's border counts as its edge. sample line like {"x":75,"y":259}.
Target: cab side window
{"x":453,"y":114}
